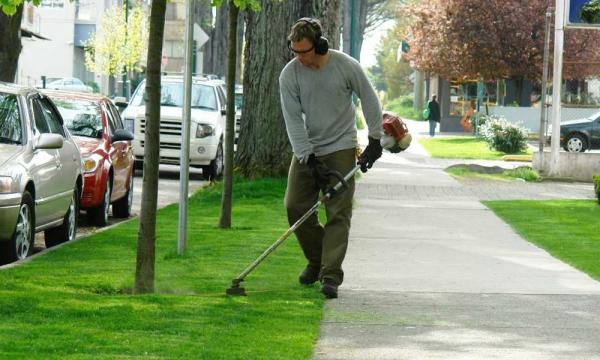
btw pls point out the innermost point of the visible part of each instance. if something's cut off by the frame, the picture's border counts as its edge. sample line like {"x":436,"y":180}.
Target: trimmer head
{"x":235,"y":289}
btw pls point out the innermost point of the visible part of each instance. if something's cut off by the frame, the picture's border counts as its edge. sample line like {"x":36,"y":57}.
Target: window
{"x":82,"y":118}
{"x":222,"y":98}
{"x":40,"y":119}
{"x":116,"y":115}
{"x":110,"y":120}
{"x":11,"y":129}
{"x":52,"y":117}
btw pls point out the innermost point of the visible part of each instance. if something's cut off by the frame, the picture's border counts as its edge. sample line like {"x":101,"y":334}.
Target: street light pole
{"x":559,"y":34}
{"x":184,"y":163}
{"x":544,"y":107}
{"x":125,"y":74}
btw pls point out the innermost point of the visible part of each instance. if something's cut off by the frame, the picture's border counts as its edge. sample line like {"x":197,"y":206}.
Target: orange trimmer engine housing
{"x":396,"y":136}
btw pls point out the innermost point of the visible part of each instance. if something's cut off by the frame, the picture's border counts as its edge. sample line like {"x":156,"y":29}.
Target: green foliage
{"x":392,"y":76}
{"x":461,"y":147}
{"x":590,"y":12}
{"x":596,"y":179}
{"x":567,"y":229}
{"x":76,"y":301}
{"x":403,"y":107}
{"x":94,"y":86}
{"x":123,"y":48}
{"x":253,"y":5}
{"x":504,"y":136}
{"x":523,"y":172}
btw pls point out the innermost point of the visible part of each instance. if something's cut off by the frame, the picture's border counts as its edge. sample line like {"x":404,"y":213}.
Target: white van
{"x":208,"y":109}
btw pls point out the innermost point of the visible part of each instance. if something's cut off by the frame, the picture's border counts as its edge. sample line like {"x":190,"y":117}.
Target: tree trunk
{"x":10,"y":44}
{"x":144,"y":272}
{"x":347,"y":23}
{"x":225,"y":218}
{"x":207,"y":49}
{"x":263,"y":146}
{"x":219,"y":40}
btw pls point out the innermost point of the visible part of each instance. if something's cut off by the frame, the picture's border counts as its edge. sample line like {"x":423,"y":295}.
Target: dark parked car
{"x":581,"y":134}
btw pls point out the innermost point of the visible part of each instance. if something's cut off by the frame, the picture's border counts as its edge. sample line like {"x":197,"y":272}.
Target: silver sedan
{"x":40,"y":173}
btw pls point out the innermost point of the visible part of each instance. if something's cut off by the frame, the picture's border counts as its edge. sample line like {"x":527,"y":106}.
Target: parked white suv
{"x":40,"y":173}
{"x":208,"y":109}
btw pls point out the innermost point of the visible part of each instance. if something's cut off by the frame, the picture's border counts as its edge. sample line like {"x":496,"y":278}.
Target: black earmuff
{"x":321,"y":42}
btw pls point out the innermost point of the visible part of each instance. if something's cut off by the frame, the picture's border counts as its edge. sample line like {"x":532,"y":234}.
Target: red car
{"x":106,"y":153}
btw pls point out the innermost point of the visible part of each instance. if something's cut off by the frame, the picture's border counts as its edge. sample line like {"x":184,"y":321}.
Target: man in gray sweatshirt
{"x":316,"y":98}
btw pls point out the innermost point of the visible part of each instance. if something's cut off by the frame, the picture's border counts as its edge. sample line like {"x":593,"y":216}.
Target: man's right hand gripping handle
{"x":368,"y":157}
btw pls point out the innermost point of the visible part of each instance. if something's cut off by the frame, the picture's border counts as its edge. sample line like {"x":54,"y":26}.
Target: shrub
{"x":596,"y":178}
{"x":503,"y":136}
{"x":407,"y":101}
{"x":403,"y":108}
{"x":523,"y":172}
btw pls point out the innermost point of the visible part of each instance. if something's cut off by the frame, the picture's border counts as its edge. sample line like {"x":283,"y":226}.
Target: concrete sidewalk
{"x":431,"y":273}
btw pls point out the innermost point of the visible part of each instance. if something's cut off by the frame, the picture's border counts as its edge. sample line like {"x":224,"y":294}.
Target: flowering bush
{"x":502,"y":135}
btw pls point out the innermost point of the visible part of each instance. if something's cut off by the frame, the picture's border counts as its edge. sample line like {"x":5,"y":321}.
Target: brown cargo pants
{"x":324,"y":246}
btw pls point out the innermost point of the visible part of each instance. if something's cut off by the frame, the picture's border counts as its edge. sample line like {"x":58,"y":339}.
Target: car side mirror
{"x":223,"y":111}
{"x":120,"y":102}
{"x":49,"y":141}
{"x":121,"y":135}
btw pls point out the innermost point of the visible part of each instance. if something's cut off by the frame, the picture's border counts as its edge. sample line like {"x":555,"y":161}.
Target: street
{"x":168,"y":193}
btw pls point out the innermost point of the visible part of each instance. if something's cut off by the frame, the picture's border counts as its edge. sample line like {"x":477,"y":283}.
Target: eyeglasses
{"x":300,"y":51}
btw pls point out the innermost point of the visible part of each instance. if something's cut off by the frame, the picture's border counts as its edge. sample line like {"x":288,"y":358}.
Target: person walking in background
{"x":316,"y":99}
{"x":434,"y":114}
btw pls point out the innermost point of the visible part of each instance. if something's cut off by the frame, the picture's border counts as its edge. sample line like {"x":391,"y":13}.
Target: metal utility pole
{"x":542,"y":136}
{"x":184,"y":163}
{"x":559,"y":34}
{"x":125,"y":73}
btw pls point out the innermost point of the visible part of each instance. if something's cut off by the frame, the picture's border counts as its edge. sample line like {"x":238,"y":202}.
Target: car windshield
{"x":82,"y":117}
{"x":11,"y":130}
{"x":171,"y":94}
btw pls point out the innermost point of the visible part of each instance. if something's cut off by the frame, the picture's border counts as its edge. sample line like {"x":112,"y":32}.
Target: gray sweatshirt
{"x":318,"y":109}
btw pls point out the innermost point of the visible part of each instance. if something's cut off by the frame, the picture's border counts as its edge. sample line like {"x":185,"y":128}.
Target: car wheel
{"x":21,"y":243}
{"x":575,"y":143}
{"x":99,"y":215}
{"x":215,"y":169}
{"x":122,"y":207}
{"x":68,"y":230}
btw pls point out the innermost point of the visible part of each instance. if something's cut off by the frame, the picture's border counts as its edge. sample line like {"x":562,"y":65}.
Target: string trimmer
{"x":396,"y":138}
{"x":235,"y":288}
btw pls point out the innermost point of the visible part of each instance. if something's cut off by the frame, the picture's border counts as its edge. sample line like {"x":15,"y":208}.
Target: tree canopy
{"x":123,"y":47}
{"x":473,"y":39}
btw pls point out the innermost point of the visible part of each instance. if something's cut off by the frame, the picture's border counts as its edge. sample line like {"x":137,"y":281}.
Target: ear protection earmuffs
{"x":321,"y":43}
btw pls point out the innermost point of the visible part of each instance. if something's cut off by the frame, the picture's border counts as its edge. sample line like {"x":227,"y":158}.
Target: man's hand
{"x":319,"y":171}
{"x":370,"y":155}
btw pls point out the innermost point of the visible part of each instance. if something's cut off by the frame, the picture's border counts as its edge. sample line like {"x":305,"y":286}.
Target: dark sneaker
{"x":329,"y":289}
{"x":309,"y":276}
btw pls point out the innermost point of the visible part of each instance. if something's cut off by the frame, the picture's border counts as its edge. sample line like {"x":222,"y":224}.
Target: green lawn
{"x":522,"y":172}
{"x":75,"y":302}
{"x":461,"y":147}
{"x":568,"y":229}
